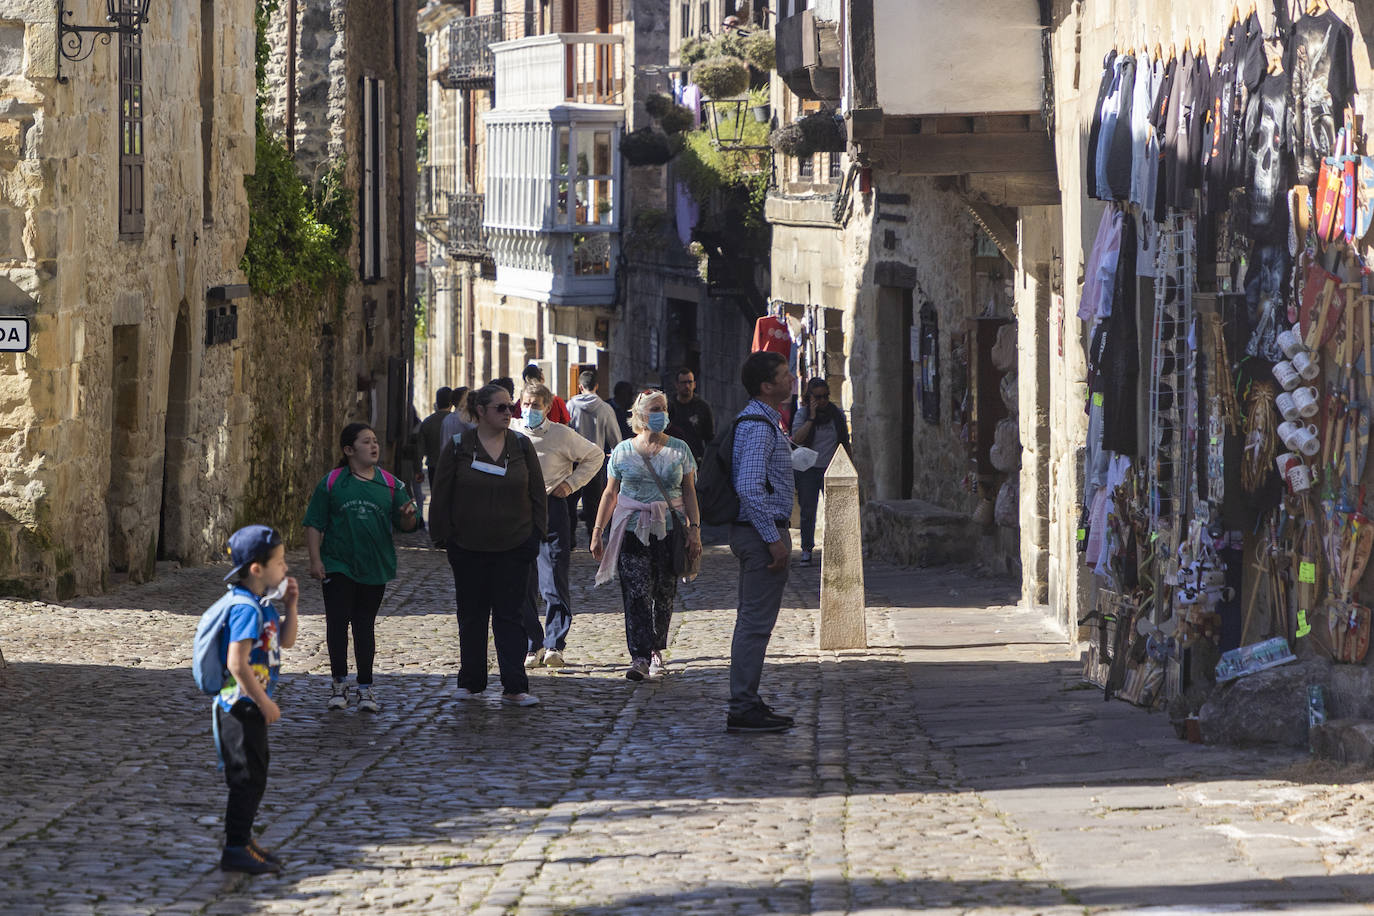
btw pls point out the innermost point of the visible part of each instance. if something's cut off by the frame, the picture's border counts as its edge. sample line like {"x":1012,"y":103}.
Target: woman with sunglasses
{"x":490,"y":513}
{"x":650,"y":489}
{"x":348,"y":533}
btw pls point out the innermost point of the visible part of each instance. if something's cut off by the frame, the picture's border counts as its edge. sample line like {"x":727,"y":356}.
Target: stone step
{"x":913,"y":532}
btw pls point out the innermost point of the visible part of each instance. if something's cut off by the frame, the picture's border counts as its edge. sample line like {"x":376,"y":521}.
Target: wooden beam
{"x":1016,"y":189}
{"x":941,"y":154}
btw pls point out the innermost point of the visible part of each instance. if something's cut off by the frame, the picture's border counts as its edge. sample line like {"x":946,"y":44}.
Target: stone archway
{"x":178,"y":461}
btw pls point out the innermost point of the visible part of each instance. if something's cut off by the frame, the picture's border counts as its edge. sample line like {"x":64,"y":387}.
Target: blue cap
{"x":249,"y":544}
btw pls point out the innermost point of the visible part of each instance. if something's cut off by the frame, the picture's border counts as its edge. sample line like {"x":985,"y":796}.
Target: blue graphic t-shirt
{"x":265,"y":655}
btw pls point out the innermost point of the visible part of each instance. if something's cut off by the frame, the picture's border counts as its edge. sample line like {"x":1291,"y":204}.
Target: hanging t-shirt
{"x":1323,"y":72}
{"x":771,"y":335}
{"x":1095,"y":132}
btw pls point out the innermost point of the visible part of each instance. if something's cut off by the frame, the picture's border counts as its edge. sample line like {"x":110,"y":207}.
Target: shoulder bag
{"x":677,"y":537}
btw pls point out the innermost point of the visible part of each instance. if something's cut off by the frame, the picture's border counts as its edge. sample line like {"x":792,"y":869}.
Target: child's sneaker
{"x":366,"y":701}
{"x":338,"y":696}
{"x":245,"y":859}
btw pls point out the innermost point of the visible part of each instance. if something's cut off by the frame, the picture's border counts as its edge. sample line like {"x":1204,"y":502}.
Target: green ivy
{"x":298,"y":236}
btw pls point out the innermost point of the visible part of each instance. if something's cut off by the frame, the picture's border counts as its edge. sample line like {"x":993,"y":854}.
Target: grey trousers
{"x":760,"y":597}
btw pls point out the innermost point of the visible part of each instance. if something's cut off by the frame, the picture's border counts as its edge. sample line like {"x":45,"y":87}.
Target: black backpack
{"x":716,"y":496}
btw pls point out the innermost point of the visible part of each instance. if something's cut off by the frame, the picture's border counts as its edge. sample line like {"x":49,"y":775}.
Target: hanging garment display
{"x":772,"y":335}
{"x":1323,"y":80}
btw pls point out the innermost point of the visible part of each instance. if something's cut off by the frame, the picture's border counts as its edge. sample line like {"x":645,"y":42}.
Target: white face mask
{"x":276,"y":592}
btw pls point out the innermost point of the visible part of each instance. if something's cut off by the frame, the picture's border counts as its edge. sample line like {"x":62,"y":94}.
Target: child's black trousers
{"x":243,"y":742}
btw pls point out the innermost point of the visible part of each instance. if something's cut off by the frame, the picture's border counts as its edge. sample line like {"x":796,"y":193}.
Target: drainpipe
{"x":291,"y":77}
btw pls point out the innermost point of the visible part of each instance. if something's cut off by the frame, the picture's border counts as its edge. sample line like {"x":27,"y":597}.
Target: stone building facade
{"x":654,"y":312}
{"x":340,"y":89}
{"x":126,"y":435}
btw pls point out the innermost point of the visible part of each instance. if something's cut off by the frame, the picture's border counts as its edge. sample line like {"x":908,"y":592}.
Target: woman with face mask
{"x":651,"y":488}
{"x":348,"y":533}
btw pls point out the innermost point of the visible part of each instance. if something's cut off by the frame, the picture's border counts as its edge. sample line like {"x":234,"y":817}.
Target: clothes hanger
{"x":1317,"y":7}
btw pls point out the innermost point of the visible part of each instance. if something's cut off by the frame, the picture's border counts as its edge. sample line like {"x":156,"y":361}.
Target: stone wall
{"x":118,"y":322}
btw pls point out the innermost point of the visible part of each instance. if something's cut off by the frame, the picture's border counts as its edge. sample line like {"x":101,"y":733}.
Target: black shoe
{"x":244,"y":859}
{"x":758,"y":719}
{"x":777,"y":715}
{"x":265,"y":853}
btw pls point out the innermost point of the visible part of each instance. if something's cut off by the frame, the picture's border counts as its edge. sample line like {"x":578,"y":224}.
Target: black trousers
{"x":589,"y":498}
{"x":491,"y":587}
{"x":348,"y":603}
{"x":243,"y":744}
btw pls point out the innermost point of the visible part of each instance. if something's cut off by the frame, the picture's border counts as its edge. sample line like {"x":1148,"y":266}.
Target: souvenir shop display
{"x":1227,"y":307}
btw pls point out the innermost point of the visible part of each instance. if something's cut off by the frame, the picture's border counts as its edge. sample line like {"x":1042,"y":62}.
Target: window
{"x":130,"y":130}
{"x":704,"y":20}
{"x":585,"y":167}
{"x":684,"y":21}
{"x":806,"y":168}
{"x":835,"y":173}
{"x":372,"y":212}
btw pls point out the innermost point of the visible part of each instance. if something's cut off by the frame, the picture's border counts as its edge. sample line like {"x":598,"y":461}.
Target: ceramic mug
{"x":1307,"y":441}
{"x":1286,"y":375}
{"x":1287,"y":405}
{"x":1305,"y":399}
{"x":1290,"y":342}
{"x":1299,"y":477}
{"x":1306,"y":365}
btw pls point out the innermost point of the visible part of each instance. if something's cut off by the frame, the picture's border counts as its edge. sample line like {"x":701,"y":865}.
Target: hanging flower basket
{"x":677,"y":119}
{"x":658,"y":104}
{"x":721,"y":77}
{"x":647,"y":146}
{"x":821,"y":132}
{"x":760,"y":51}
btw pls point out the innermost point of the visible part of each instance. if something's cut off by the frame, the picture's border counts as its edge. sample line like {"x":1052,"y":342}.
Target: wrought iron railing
{"x":471,"y":64}
{"x":437,"y":184}
{"x":466,"y":237}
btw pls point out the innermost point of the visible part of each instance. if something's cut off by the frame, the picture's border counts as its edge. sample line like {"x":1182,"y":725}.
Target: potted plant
{"x":721,"y":77}
{"x":758,"y":103}
{"x":820,"y":132}
{"x":677,"y":119}
{"x":647,"y":146}
{"x":658,"y":104}
{"x":692,"y":50}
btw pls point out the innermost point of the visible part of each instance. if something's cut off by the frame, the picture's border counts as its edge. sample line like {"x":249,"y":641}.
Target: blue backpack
{"x":208,"y":651}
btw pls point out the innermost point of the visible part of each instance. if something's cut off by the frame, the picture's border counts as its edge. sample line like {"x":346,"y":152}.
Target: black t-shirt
{"x":695,"y":422}
{"x":1323,"y":72}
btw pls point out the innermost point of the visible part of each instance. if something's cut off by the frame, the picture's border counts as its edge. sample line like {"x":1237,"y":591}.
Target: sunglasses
{"x":507,"y":407}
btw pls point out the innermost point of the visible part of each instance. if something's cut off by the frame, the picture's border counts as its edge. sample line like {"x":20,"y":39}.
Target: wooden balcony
{"x":545,"y":71}
{"x":808,"y":56}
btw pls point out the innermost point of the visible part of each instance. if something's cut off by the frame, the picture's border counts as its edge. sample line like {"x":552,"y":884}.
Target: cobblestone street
{"x":957,"y":765}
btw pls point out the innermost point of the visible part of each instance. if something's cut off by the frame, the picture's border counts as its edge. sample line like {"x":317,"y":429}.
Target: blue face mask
{"x":534,"y":417}
{"x":658,"y":422}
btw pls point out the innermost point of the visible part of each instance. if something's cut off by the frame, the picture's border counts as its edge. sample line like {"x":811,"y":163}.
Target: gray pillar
{"x":842,"y":564}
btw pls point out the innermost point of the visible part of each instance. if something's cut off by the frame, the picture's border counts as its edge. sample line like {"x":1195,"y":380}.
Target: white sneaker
{"x":535,"y":659}
{"x":553,"y":658}
{"x":520,"y":699}
{"x":338,"y":696}
{"x":657,"y":666}
{"x":463,"y":693}
{"x":366,"y":701}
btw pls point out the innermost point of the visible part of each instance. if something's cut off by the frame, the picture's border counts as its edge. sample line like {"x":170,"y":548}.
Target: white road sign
{"x":14,"y":335}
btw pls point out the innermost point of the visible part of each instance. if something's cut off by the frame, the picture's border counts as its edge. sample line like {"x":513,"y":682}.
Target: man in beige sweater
{"x":568,"y":462}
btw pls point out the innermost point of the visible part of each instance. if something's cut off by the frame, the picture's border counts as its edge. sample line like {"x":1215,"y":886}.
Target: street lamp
{"x":76,"y":42}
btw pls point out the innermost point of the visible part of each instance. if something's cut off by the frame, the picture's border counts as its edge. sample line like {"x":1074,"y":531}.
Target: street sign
{"x":14,"y":335}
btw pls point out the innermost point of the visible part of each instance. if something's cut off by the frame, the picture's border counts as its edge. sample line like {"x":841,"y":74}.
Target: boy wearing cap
{"x":255,"y":634}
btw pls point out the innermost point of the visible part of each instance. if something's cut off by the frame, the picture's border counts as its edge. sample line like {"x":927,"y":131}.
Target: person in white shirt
{"x":595,"y":419}
{"x":568,"y":462}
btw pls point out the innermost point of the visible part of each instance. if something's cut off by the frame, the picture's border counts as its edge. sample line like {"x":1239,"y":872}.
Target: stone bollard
{"x":842,"y":559}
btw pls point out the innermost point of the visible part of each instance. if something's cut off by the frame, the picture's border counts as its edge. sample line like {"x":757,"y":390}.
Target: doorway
{"x":894,"y":455}
{"x":176,"y":456}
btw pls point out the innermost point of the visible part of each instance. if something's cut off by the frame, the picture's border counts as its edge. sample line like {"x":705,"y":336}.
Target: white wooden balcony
{"x":552,"y":214}
{"x":546,"y":70}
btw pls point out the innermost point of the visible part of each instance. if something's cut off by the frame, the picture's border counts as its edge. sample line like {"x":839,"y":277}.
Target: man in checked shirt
{"x":759,"y":538}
